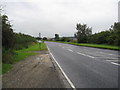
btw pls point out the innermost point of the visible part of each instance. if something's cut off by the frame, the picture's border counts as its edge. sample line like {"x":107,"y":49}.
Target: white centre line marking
{"x":85,"y":55}
{"x":70,"y":50}
{"x":60,"y":45}
{"x":111,"y":60}
{"x":106,"y":53}
{"x":115,"y":63}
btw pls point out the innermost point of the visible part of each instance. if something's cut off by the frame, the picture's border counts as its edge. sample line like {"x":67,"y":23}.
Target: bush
{"x":8,"y":56}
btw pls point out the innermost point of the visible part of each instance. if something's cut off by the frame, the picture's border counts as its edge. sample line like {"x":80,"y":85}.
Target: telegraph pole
{"x":40,"y":41}
{"x":39,"y":35}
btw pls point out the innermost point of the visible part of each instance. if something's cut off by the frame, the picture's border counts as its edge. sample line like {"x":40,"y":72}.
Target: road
{"x":87,"y":67}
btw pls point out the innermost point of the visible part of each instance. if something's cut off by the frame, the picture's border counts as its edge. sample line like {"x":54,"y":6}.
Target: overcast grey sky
{"x":60,"y":16}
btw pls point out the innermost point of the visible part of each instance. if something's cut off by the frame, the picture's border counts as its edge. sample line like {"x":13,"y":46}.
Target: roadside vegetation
{"x":16,"y":46}
{"x":107,"y":39}
{"x":21,"y":55}
{"x":95,"y":45}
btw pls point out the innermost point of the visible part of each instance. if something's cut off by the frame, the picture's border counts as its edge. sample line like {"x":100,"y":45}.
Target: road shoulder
{"x":39,"y":71}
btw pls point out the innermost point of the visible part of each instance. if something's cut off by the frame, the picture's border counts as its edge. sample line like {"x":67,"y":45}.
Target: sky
{"x":49,"y":17}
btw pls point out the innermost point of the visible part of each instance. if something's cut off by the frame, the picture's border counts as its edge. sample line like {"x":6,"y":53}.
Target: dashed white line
{"x":69,"y":81}
{"x":106,"y":53}
{"x":60,"y":45}
{"x":111,"y":60}
{"x":70,"y":50}
{"x":115,"y":63}
{"x":85,"y":55}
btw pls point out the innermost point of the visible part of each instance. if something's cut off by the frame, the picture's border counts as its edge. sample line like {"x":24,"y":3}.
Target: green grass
{"x":102,"y":46}
{"x":35,"y":47}
{"x":22,"y":54}
{"x":96,"y":45}
{"x":6,"y":67}
{"x":0,"y":68}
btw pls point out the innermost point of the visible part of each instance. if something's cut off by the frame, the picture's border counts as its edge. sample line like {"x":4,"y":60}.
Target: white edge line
{"x":69,"y":81}
{"x":115,"y":63}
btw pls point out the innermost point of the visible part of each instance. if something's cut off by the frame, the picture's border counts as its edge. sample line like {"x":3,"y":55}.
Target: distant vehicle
{"x":39,"y":41}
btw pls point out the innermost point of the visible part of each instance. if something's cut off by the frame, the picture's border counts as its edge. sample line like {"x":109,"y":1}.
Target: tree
{"x":65,"y":39}
{"x":110,"y":36}
{"x":7,"y":33}
{"x":8,"y":40}
{"x":45,"y":38}
{"x":57,"y":37}
{"x":38,"y":38}
{"x":83,"y":33}
{"x":115,"y":34}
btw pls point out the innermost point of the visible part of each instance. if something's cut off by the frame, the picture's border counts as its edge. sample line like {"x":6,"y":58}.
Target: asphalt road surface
{"x":87,"y":67}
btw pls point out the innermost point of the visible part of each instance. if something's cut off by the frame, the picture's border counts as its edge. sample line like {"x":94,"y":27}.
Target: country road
{"x":87,"y":67}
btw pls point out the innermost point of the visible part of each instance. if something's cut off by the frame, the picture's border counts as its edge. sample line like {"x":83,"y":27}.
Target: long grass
{"x":22,"y":54}
{"x":6,"y":67}
{"x":35,"y":47}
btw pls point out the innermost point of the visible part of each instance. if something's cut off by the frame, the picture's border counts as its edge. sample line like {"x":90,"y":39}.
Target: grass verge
{"x":102,"y":46}
{"x":6,"y":67}
{"x":95,"y":45}
{"x":22,"y":54}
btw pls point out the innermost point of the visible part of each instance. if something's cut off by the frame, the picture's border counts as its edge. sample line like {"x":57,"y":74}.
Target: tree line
{"x":110,"y":37}
{"x":84,"y":35}
{"x":12,"y":41}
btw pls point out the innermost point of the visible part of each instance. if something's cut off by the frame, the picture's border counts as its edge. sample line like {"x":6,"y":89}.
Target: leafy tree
{"x":65,"y":39}
{"x":83,"y":33}
{"x":110,"y":36}
{"x":8,"y":40}
{"x":23,"y":40}
{"x":38,"y":38}
{"x":57,"y":37}
{"x":44,"y":38}
{"x":115,"y":34}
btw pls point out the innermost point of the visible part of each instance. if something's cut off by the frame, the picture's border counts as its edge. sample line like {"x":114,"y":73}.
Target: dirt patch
{"x":36,"y":71}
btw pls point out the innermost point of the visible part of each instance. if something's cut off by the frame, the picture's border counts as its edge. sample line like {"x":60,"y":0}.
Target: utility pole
{"x":40,"y":41}
{"x":39,"y":35}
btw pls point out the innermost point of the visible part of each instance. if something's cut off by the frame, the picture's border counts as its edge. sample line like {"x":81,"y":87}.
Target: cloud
{"x":60,"y":16}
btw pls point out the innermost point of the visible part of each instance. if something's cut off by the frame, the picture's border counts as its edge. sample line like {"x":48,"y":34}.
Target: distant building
{"x":72,"y":38}
{"x":119,"y":11}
